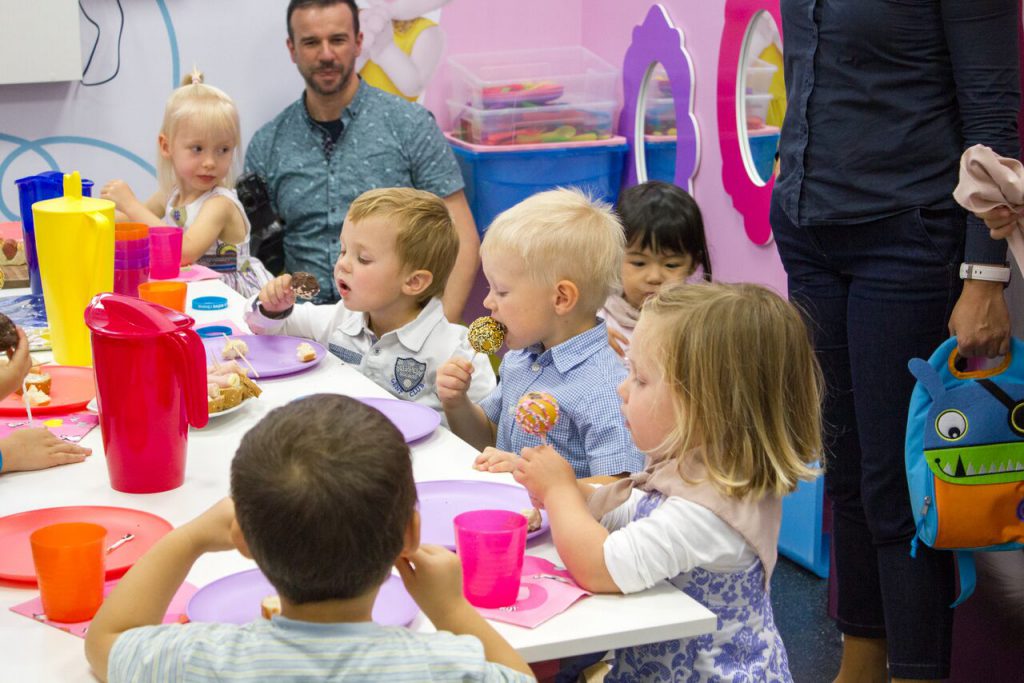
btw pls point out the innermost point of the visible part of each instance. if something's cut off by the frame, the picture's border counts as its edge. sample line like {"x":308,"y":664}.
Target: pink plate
{"x":16,"y":557}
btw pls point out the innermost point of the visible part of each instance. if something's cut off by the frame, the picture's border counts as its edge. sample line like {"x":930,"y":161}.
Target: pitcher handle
{"x":191,"y":369}
{"x":104,"y":236}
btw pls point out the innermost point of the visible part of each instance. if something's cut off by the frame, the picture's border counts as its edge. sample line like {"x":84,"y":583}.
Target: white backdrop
{"x":109,"y":131}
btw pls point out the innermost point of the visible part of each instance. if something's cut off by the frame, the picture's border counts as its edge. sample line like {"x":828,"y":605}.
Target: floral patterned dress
{"x":745,"y":648}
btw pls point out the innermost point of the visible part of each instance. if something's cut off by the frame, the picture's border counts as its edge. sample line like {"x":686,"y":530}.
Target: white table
{"x":32,"y":651}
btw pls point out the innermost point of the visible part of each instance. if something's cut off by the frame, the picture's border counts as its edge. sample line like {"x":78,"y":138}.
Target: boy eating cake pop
{"x":398,"y":246}
{"x":550,"y":262}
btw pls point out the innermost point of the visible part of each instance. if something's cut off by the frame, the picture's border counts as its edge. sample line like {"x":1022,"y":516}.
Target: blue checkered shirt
{"x":387,"y":141}
{"x":582,"y":373}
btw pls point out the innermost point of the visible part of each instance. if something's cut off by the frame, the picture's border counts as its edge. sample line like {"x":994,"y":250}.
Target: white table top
{"x":32,"y":651}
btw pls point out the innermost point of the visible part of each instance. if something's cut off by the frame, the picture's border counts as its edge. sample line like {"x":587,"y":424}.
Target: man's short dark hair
{"x":303,"y":4}
{"x":323,"y":493}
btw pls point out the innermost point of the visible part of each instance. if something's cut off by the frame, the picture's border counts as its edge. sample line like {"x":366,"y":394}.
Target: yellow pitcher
{"x":75,"y":245}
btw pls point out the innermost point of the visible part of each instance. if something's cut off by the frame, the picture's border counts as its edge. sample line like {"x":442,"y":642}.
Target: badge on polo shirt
{"x":408,"y":377}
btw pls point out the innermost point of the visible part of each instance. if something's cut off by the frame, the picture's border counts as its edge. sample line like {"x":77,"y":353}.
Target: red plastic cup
{"x":491,"y":545}
{"x":169,"y":294}
{"x":164,"y":252}
{"x":69,"y":560}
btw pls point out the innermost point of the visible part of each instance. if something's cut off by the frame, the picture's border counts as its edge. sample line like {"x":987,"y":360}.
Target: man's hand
{"x":980,"y":320}
{"x":37,"y":449}
{"x":277,"y":295}
{"x":493,"y":460}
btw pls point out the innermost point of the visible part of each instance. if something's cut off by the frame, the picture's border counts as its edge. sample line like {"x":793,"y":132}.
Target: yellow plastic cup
{"x":75,"y":247}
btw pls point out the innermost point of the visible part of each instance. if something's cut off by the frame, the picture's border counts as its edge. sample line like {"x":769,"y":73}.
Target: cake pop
{"x":305,"y":285}
{"x":486,"y":335}
{"x":537,"y":413}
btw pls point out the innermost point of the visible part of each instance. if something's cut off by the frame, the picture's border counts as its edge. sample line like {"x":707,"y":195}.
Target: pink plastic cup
{"x":491,"y":545}
{"x":164,"y":252}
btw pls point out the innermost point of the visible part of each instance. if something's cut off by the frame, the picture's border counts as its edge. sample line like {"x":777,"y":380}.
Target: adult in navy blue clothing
{"x":883,"y":97}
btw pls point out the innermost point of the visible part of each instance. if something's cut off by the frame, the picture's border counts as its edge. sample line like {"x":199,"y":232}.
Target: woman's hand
{"x":1001,"y":222}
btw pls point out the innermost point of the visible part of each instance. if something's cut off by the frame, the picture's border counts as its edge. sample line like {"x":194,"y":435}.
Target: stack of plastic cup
{"x":131,"y":257}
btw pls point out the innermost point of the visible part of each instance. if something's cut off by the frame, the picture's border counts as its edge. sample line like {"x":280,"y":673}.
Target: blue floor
{"x":800,"y":603}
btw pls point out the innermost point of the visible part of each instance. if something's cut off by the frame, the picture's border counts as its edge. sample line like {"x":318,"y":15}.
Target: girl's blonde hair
{"x":206,"y":107}
{"x":746,"y":386}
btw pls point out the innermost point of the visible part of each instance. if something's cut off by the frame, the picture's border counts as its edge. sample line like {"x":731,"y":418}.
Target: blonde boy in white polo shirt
{"x":398,"y":246}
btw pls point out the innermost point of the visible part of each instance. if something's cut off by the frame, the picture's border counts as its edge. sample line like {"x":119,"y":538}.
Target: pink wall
{"x":605,"y":27}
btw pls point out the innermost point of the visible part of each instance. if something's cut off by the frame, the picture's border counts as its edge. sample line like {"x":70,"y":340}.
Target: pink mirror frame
{"x":751,"y":199}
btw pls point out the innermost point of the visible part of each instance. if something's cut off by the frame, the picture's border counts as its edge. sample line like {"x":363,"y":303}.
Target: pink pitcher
{"x":151,"y":385}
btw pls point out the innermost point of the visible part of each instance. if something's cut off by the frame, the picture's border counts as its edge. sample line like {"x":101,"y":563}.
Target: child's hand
{"x":493,"y":460}
{"x":618,"y":341}
{"x":433,"y":577}
{"x":119,"y":192}
{"x":37,"y":449}
{"x":210,"y":532}
{"x":19,"y":365}
{"x":278,"y":295}
{"x":542,"y":470}
{"x":453,"y":380}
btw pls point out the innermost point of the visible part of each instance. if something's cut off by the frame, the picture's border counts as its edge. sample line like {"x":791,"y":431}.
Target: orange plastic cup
{"x":70,"y":569}
{"x":130,"y":231}
{"x":165,"y":293}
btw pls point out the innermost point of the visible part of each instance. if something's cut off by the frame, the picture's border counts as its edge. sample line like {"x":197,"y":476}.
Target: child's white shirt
{"x":676,"y":537}
{"x":404,"y":361}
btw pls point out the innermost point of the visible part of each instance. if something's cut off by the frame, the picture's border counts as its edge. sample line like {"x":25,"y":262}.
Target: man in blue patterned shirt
{"x":343,"y":137}
{"x":551,"y":262}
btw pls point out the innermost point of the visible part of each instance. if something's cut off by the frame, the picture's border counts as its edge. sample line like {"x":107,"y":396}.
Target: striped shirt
{"x":283,"y":650}
{"x":582,"y":373}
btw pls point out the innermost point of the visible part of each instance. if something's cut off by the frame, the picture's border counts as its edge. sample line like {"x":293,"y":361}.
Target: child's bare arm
{"x":578,"y":537}
{"x":127,"y":204}
{"x":433,"y":577}
{"x":217,"y":219}
{"x":466,"y":419}
{"x":142,"y":596}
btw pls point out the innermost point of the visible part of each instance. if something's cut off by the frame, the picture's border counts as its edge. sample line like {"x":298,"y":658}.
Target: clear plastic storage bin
{"x":531,"y":78}
{"x":557,"y":123}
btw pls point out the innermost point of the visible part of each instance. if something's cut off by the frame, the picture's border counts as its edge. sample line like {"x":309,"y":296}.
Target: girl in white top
{"x":723,"y":396}
{"x":196,"y":170}
{"x":665,"y":244}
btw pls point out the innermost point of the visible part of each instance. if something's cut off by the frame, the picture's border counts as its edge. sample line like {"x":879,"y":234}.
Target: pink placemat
{"x":195,"y":273}
{"x":544,"y":591}
{"x":33,"y":609}
{"x":70,"y":427}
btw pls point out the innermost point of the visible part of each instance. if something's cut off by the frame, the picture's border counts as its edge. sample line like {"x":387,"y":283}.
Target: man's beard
{"x":345,"y":75}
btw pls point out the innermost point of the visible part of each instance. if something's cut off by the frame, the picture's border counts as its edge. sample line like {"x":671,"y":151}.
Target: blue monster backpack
{"x":965,"y":457}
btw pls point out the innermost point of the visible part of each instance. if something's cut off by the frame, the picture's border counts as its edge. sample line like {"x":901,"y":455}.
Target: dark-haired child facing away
{"x":323,"y":498}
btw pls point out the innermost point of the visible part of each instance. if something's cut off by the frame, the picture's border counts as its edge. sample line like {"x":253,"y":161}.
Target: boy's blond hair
{"x":562,"y":234}
{"x":426,"y":238}
{"x":207,"y":108}
{"x":746,"y":385}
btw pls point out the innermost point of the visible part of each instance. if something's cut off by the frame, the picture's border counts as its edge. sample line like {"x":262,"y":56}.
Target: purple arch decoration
{"x":751,"y":199}
{"x":658,"y":40}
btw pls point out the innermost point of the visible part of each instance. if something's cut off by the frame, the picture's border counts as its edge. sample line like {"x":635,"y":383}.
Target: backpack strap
{"x":968,"y":575}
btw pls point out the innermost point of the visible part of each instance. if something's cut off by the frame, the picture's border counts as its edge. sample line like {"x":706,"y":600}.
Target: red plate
{"x":16,"y":558}
{"x":71,"y":387}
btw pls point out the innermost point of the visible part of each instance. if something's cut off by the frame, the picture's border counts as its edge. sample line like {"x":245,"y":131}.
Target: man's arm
{"x":460,"y":282}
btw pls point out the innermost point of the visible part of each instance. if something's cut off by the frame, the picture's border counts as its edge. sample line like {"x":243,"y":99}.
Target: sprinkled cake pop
{"x":486,"y":335}
{"x":537,"y":413}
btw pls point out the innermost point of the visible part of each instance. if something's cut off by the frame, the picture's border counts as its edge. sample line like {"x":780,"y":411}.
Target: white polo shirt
{"x":404,"y":361}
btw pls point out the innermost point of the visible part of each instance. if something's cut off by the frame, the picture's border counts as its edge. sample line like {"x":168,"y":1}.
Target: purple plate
{"x":271,"y":355}
{"x":441,"y":501}
{"x":415,"y":421}
{"x":235,"y":599}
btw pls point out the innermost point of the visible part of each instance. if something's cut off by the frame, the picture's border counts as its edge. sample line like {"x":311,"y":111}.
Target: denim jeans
{"x":877,"y":294}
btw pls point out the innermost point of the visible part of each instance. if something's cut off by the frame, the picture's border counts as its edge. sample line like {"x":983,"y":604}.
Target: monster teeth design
{"x":970,"y":469}
{"x":947,"y":469}
{"x":981,"y":470}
